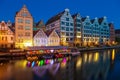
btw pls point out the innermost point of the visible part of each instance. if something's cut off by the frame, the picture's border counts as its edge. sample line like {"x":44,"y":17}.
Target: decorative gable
{"x":23,"y":12}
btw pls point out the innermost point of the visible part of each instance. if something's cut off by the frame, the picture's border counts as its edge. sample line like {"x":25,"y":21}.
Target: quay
{"x":98,"y":48}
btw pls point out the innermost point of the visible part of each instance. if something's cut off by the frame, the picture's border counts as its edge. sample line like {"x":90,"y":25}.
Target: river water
{"x":93,"y":65}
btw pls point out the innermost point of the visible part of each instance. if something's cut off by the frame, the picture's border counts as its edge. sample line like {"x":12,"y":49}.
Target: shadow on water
{"x":92,"y":65}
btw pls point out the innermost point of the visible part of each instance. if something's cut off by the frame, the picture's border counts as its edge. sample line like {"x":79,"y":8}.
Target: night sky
{"x":44,"y":9}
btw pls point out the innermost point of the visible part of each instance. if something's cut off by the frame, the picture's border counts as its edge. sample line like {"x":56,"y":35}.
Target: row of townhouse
{"x":40,"y":37}
{"x":75,"y":30}
{"x":62,"y":29}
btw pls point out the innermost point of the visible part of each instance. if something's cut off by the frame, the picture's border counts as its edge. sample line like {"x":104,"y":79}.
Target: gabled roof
{"x":100,"y":20}
{"x":74,"y":15}
{"x":48,"y":32}
{"x":35,"y":32}
{"x":40,"y":24}
{"x":117,"y":31}
{"x":92,"y":21}
{"x":54,"y":18}
{"x":83,"y":19}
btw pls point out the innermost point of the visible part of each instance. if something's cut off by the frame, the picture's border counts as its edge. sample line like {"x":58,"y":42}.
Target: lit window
{"x":24,"y":14}
{"x":27,"y":21}
{"x":27,"y":34}
{"x":27,"y":28}
{"x":20,"y":21}
{"x":20,"y":27}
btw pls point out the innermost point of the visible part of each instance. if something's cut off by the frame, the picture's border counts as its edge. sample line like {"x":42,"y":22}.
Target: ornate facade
{"x":6,"y":35}
{"x":23,"y":28}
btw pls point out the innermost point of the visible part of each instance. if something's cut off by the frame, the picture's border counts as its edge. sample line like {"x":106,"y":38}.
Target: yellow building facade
{"x":23,"y":28}
{"x":6,"y":36}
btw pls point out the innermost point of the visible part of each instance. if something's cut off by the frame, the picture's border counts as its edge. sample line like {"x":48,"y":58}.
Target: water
{"x":95,"y":65}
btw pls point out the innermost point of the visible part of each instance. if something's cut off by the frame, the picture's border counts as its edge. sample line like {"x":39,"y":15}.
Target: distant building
{"x":48,"y":38}
{"x":117,"y":33}
{"x":40,"y":38}
{"x":53,"y":38}
{"x":23,"y":28}
{"x":95,"y":30}
{"x":63,"y":23}
{"x":77,"y":29}
{"x":112,"y":33}
{"x":6,"y":35}
{"x":39,"y":25}
{"x":87,"y":31}
{"x":104,"y":31}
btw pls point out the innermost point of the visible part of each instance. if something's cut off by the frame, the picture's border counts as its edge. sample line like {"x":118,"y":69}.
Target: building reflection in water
{"x":87,"y":66}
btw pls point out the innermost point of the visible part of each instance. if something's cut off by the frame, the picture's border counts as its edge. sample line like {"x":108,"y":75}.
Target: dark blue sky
{"x":44,"y":9}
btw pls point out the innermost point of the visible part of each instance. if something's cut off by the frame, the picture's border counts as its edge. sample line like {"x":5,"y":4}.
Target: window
{"x":87,"y":23}
{"x":78,"y":29}
{"x":78,"y":25}
{"x":20,"y":21}
{"x":27,"y":21}
{"x":71,"y":39}
{"x":67,"y":39}
{"x":63,"y":23}
{"x":27,"y":28}
{"x":67,"y":19}
{"x":24,"y":14}
{"x":63,"y":28}
{"x":78,"y":20}
{"x":11,"y":38}
{"x":71,"y":34}
{"x":71,"y":29}
{"x":20,"y":27}
{"x":63,"y":33}
{"x":20,"y":35}
{"x":52,"y":25}
{"x":67,"y":24}
{"x":67,"y":29}
{"x":27,"y":34}
{"x":67,"y":34}
{"x":71,"y":24}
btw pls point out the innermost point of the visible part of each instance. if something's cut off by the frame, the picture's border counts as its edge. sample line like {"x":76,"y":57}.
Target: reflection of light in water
{"x":63,"y":64}
{"x":24,"y":63}
{"x":90,"y":57}
{"x":64,"y":60}
{"x":52,"y":61}
{"x":41,"y":62}
{"x":96,"y":56}
{"x":113,"y":54}
{"x":104,"y":56}
{"x":33,"y":63}
{"x":41,"y":71}
{"x":79,"y":62}
{"x":59,"y":59}
{"x":46,"y":61}
{"x":85,"y":57}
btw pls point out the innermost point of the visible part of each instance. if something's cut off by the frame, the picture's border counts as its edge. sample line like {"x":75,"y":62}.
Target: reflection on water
{"x":97,"y":65}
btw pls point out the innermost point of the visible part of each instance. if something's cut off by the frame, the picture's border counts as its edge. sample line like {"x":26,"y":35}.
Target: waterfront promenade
{"x":7,"y":54}
{"x":98,"y":48}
